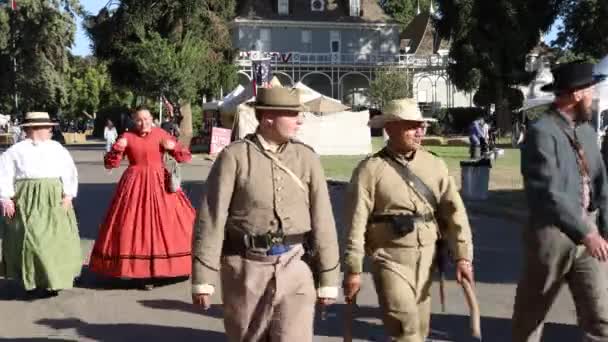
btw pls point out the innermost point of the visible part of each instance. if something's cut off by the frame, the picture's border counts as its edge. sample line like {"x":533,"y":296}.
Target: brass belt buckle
{"x":275,"y":239}
{"x":248,"y":241}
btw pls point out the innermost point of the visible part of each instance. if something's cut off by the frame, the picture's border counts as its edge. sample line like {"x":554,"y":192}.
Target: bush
{"x":197,"y":119}
{"x":459,"y":118}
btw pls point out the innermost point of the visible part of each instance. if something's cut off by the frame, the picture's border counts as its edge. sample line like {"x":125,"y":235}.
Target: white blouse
{"x":29,"y":160}
{"x":110,"y":134}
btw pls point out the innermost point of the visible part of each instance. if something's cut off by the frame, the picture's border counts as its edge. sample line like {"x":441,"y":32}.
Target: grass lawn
{"x":505,"y":177}
{"x":504,"y":174}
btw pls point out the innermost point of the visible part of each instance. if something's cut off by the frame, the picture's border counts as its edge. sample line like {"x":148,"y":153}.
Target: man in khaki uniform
{"x":266,"y":196}
{"x":391,"y":218}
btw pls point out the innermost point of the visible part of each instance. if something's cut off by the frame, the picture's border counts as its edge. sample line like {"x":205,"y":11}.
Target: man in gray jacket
{"x":566,"y":187}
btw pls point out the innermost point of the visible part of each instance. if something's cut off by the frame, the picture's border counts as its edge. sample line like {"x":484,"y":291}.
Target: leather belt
{"x":241,"y":243}
{"x":385,"y":218}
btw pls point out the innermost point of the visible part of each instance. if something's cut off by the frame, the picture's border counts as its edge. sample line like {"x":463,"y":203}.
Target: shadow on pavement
{"x":215,"y":311}
{"x":35,"y":339}
{"x":10,"y":290}
{"x":444,"y":327}
{"x":131,"y":332}
{"x":90,"y":280}
{"x":456,"y":328}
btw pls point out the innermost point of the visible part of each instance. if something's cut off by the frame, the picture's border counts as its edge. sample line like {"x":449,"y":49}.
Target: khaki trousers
{"x":268,"y":298}
{"x":552,"y":259}
{"x":402,"y":277}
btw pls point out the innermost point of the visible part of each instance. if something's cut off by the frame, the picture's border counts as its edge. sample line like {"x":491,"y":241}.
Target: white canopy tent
{"x":342,"y":132}
{"x":5,"y":119}
{"x":601,"y":89}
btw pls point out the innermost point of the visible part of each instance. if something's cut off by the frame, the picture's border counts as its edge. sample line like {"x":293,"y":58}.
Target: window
{"x":334,"y":41}
{"x":264,"y":41}
{"x":283,"y":7}
{"x":355,"y":8}
{"x":385,"y":47}
{"x":241,"y":33}
{"x":306,"y":41}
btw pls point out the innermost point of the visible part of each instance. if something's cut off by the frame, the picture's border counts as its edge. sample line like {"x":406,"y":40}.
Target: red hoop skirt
{"x":147,"y":231}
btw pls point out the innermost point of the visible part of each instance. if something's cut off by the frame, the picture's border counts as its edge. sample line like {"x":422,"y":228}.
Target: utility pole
{"x":14,"y":55}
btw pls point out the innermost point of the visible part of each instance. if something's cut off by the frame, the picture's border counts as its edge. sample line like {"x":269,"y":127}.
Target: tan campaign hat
{"x":37,"y":119}
{"x":280,"y":98}
{"x":398,"y":110}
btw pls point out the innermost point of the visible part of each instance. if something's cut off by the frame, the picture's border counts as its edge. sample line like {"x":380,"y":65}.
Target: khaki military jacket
{"x":377,"y":188}
{"x":247,"y":191}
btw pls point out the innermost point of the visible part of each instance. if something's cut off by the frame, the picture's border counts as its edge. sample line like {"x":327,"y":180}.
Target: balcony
{"x":245,"y":59}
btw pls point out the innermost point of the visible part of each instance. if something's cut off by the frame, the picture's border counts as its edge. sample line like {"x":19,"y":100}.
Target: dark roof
{"x":300,"y":10}
{"x":421,"y":37}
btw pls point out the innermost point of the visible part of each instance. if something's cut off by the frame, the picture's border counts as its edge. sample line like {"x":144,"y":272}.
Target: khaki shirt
{"x":377,"y":188}
{"x":246,"y":191}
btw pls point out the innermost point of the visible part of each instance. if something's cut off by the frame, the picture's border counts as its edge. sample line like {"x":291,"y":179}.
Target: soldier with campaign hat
{"x":399,"y":203}
{"x":266,"y":204}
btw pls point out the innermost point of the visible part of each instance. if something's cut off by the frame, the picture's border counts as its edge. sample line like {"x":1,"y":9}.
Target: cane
{"x":349,"y":316}
{"x":471,"y":298}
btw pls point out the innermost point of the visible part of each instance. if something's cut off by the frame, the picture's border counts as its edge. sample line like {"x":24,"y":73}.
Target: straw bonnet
{"x":280,"y":99}
{"x":398,"y":110}
{"x":37,"y":119}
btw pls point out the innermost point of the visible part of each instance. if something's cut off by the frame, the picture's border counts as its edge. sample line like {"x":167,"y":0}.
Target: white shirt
{"x":26,"y":160}
{"x":110,"y":134}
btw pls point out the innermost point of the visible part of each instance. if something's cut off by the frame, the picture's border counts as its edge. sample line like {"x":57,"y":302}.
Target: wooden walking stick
{"x":349,"y":317}
{"x":442,"y":256}
{"x":441,"y":260}
{"x":474,"y":313}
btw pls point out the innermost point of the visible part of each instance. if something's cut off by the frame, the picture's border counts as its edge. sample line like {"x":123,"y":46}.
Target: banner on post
{"x":262,"y":74}
{"x":220,"y":138}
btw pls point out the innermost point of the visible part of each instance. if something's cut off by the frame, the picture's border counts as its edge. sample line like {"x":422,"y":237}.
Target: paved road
{"x":98,"y":310}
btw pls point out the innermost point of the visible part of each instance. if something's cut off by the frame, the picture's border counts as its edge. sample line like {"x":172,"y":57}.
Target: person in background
{"x":485,"y":136}
{"x":110,"y":134}
{"x":475,"y":138}
{"x":16,"y":132}
{"x":38,"y":180}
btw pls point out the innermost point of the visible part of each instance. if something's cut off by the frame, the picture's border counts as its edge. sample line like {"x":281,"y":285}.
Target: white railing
{"x":245,"y":58}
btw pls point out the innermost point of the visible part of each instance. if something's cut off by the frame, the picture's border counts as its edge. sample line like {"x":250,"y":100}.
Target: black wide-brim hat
{"x":573,"y":76}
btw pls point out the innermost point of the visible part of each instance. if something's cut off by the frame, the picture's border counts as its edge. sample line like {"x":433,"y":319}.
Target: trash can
{"x":475,"y":178}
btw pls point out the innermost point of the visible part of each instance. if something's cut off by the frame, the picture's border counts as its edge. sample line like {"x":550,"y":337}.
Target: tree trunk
{"x":503,"y":114}
{"x":185,"y":126}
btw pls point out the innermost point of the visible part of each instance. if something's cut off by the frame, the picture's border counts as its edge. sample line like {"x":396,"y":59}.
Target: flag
{"x":168,"y":106}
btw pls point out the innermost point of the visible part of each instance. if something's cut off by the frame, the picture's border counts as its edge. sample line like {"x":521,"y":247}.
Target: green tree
{"x":89,"y":87}
{"x":181,"y":49}
{"x":38,"y":34}
{"x":585,"y":28}
{"x":390,"y":85}
{"x":403,"y":11}
{"x":489,"y":43}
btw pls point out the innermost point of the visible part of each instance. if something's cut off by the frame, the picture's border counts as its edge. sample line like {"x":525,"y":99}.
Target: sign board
{"x":220,"y":138}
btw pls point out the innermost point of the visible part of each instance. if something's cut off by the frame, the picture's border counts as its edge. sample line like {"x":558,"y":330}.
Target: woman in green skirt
{"x":38,"y":179}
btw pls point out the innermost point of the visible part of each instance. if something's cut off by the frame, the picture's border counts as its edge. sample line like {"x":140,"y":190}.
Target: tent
{"x":4,"y":119}
{"x":601,"y":89}
{"x":330,"y":129}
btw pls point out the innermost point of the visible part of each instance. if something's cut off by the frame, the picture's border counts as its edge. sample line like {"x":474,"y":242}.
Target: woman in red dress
{"x":147,"y":231}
